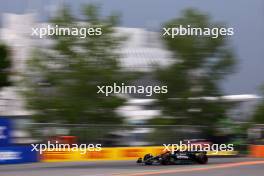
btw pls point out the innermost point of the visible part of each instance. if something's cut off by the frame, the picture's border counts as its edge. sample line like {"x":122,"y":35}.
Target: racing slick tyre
{"x":139,"y":160}
{"x":202,"y":158}
{"x":148,"y":159}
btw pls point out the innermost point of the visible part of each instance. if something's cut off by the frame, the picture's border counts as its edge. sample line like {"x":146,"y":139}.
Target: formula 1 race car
{"x":179,"y":157}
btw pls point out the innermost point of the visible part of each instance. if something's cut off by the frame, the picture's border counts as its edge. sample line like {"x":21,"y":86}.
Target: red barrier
{"x":257,"y":151}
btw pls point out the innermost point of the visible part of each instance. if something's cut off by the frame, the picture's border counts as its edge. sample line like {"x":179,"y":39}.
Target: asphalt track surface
{"x":215,"y":167}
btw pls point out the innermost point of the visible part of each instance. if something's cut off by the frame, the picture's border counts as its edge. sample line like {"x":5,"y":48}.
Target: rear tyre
{"x":202,"y":158}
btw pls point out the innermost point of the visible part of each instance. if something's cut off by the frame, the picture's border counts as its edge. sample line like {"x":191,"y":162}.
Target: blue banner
{"x":17,"y":154}
{"x":5,"y":128}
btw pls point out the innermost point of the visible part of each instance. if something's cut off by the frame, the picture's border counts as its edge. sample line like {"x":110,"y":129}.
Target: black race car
{"x":179,"y":157}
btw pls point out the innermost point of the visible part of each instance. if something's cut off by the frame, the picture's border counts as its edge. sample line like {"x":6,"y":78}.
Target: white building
{"x":15,"y":32}
{"x":140,"y":52}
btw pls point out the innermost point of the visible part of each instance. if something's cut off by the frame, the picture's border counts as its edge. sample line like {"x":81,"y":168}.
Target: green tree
{"x":66,"y":76}
{"x":201,"y":62}
{"x":5,"y":64}
{"x":258,"y":116}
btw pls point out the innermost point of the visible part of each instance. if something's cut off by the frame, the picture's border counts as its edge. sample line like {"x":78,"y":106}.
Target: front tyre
{"x":139,"y":160}
{"x":148,"y":159}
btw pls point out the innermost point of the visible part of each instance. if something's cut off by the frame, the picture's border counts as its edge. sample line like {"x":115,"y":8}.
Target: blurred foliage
{"x":236,"y":133}
{"x":5,"y":64}
{"x":201,"y":62}
{"x":169,"y":134}
{"x":64,"y":79}
{"x":258,"y":116}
